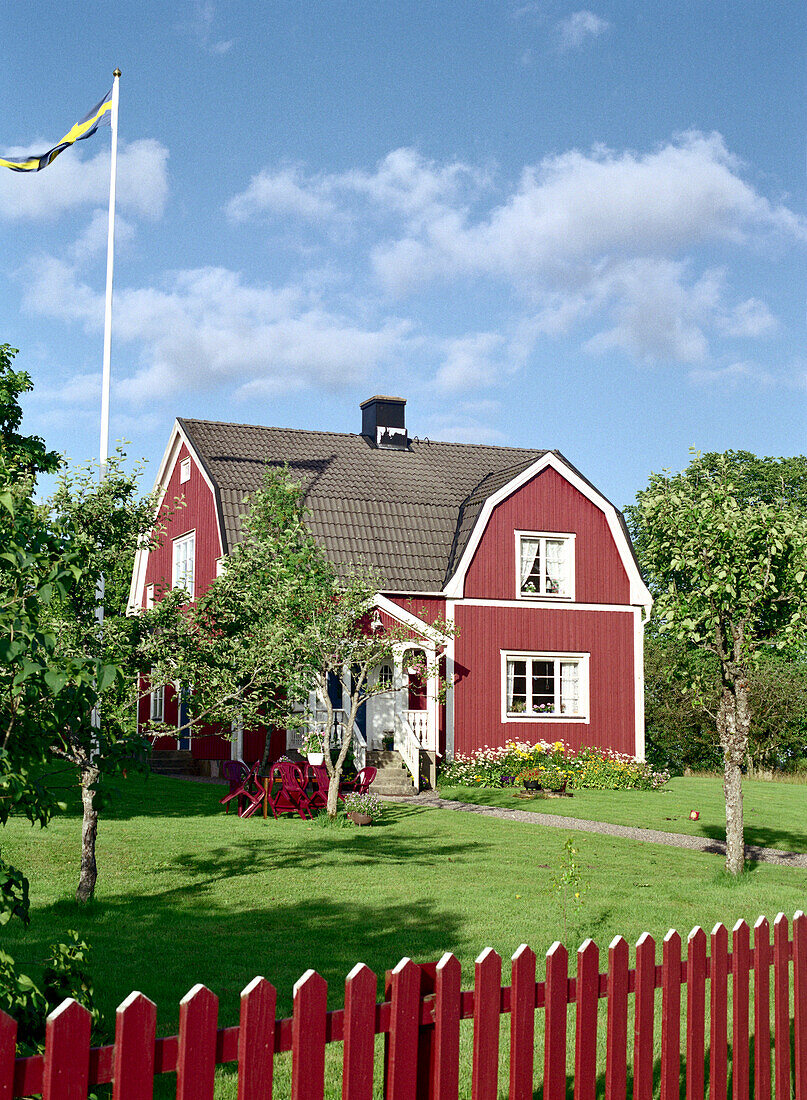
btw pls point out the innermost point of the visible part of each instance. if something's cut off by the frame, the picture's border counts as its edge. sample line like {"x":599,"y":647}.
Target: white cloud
{"x":200,"y":29}
{"x":576,"y":28}
{"x":70,"y":183}
{"x":205,"y":328}
{"x":732,"y":375}
{"x":750,"y":318}
{"x":403,"y":184}
{"x":93,"y":239}
{"x":283,"y":192}
{"x":472,"y":361}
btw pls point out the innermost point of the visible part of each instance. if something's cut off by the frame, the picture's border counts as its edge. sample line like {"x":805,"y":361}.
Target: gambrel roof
{"x":406,"y":513}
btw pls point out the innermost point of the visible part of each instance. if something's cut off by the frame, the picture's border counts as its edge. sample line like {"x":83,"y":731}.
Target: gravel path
{"x":430,"y":800}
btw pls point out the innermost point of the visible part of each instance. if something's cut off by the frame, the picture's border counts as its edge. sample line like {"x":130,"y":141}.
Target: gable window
{"x":184,"y":562}
{"x":157,"y":707}
{"x":545,"y":686}
{"x":184,"y":471}
{"x":545,"y":563}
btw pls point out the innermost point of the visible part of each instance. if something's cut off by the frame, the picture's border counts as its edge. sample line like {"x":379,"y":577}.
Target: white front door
{"x":380,"y":708}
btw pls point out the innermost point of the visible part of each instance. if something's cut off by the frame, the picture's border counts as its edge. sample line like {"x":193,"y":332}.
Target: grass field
{"x":775,"y":813}
{"x":186,"y":894}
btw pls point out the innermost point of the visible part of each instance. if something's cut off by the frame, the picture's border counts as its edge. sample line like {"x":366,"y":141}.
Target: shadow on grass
{"x":760,"y":836}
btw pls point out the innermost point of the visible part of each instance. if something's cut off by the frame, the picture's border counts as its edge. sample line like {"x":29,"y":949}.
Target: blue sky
{"x":544,"y":224}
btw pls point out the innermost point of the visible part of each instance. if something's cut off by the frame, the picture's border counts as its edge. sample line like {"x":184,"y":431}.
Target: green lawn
{"x":775,"y":813}
{"x":186,"y":894}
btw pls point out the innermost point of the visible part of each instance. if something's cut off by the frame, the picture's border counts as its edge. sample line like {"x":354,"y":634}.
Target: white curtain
{"x":555,"y":566}
{"x":569,"y":687}
{"x":529,"y":552}
{"x":511,"y":679}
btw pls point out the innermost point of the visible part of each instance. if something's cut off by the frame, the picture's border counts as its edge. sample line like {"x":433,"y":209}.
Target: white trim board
{"x":639,"y":593}
{"x":407,"y":618}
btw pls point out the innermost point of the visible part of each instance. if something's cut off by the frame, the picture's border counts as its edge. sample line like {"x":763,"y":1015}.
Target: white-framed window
{"x":385,"y":676}
{"x":149,"y":596}
{"x":545,"y":687}
{"x":221,"y":566}
{"x":544,"y":565}
{"x":184,"y":471}
{"x":184,"y":562}
{"x":157,"y":705}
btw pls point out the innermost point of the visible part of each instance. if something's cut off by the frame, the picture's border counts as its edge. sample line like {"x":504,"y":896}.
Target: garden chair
{"x":361,"y":784}
{"x":235,"y":772}
{"x":286,"y":793}
{"x":250,"y":790}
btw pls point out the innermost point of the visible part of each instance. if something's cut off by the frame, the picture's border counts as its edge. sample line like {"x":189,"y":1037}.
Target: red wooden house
{"x":525,"y":556}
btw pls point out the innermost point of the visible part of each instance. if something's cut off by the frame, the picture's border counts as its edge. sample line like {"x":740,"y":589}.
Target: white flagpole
{"x":110,"y":255}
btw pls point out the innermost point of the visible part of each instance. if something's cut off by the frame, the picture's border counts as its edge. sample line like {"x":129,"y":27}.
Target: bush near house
{"x":592,"y":767}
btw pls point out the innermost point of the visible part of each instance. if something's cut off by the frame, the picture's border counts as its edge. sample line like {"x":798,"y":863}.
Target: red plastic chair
{"x":361,"y":784}
{"x":249,"y":789}
{"x":235,"y":772}
{"x":287,"y":791}
{"x":320,"y":780}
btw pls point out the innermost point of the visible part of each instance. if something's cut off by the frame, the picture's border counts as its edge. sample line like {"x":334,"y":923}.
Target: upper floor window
{"x":545,"y":685}
{"x":545,"y":564}
{"x":184,"y":470}
{"x":184,"y":562}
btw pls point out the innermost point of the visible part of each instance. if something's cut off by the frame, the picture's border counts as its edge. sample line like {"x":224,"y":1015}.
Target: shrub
{"x":367,"y":803}
{"x":597,"y":768}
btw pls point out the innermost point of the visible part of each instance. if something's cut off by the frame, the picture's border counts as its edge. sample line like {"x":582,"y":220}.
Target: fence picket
{"x":446,"y":1083}
{"x":403,"y":1037}
{"x":616,"y":1051}
{"x":256,"y":1040}
{"x":585,"y":1036}
{"x":556,"y":997}
{"x":487,"y":994}
{"x":762,"y":1010}
{"x":671,"y":1016}
{"x":522,"y":1023}
{"x":196,"y":1059}
{"x":8,"y":1049}
{"x":67,"y":1052}
{"x":781,"y":1009}
{"x":740,"y":971}
{"x":644,"y":1011}
{"x":800,"y":1003}
{"x":308,"y":1037}
{"x":357,"y":1066}
{"x":696,"y":1014}
{"x":718,"y":1014}
{"x":133,"y":1060}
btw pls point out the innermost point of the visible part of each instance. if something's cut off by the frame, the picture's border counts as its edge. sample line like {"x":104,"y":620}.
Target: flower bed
{"x":601,"y":769}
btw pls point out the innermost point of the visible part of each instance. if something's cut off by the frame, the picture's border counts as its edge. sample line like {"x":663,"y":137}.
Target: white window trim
{"x":149,"y":596}
{"x":184,"y":471}
{"x":221,"y":566}
{"x":157,"y":704}
{"x":569,"y":537}
{"x":182,"y":538}
{"x":583,"y":718}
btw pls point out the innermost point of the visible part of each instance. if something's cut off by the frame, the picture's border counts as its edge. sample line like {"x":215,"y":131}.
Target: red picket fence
{"x":420,"y":1017}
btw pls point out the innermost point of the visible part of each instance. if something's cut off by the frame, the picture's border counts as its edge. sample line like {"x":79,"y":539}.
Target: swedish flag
{"x":84,"y":129}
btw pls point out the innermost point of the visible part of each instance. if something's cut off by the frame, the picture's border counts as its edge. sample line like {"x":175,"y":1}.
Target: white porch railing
{"x":359,"y":748}
{"x":419,"y":722}
{"x":409,"y":748}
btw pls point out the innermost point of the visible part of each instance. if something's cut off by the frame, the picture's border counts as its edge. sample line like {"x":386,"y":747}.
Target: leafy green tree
{"x":727,"y":568}
{"x":106,"y":521}
{"x":278,"y":622}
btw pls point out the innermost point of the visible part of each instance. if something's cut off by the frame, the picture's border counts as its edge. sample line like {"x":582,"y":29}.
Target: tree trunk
{"x":89,"y":829}
{"x":733,"y":725}
{"x":333,"y":793}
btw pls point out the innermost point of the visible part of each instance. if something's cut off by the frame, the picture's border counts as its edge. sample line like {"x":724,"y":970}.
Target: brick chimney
{"x":383,"y":421}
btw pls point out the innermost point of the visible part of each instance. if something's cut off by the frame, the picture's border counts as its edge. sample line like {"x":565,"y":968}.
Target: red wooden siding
{"x":548,"y":503}
{"x":427,"y":608}
{"x":484,"y":631}
{"x":199,"y":515}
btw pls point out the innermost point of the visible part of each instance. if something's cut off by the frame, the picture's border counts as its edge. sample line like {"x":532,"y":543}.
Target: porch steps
{"x":393,"y":776}
{"x":173,"y":762}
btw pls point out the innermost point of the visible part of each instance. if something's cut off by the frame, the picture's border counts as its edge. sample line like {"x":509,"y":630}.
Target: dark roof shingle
{"x":406,"y":514}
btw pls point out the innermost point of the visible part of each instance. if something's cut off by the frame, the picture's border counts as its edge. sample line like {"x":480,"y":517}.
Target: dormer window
{"x":545,"y":563}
